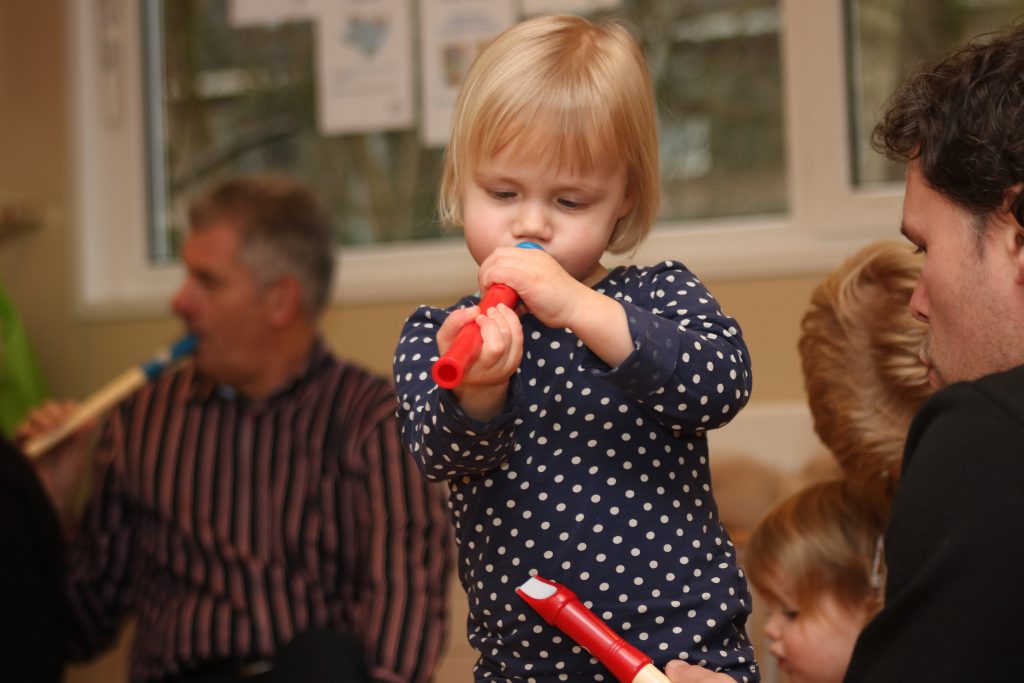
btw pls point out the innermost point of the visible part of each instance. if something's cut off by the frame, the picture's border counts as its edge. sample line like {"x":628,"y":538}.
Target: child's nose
{"x":773,"y":626}
{"x":532,"y":222}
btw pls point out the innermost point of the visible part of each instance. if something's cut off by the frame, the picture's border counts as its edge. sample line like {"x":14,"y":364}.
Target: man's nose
{"x":919,"y":303}
{"x":181,"y":303}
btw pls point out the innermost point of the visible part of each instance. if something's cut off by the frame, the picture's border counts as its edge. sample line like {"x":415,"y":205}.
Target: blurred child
{"x":816,"y":559}
{"x":860,"y":347}
{"x":575,"y":446}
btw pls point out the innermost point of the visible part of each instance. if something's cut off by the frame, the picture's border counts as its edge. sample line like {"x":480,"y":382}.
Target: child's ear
{"x":628,"y":202}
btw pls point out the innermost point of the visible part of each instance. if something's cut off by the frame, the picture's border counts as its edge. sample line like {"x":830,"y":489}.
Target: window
{"x":758,"y":171}
{"x":230,"y":95}
{"x":891,"y":39}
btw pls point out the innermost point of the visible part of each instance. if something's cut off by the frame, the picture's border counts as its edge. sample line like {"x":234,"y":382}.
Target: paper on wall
{"x":249,"y":13}
{"x":531,"y":7}
{"x":452,"y":33}
{"x":364,"y":66}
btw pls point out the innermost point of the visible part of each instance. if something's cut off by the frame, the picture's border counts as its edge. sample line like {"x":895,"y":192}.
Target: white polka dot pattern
{"x":596,"y":478}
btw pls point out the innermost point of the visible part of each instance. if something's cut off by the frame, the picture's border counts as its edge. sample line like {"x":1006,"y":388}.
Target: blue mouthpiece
{"x":178,"y":350}
{"x":529,"y":245}
{"x":184,"y":346}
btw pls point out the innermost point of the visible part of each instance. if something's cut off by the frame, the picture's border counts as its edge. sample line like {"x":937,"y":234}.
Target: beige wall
{"x":77,"y":356}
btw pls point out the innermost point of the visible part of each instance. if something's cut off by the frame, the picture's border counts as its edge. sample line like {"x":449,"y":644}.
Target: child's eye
{"x":571,"y":205}
{"x":502,"y":195}
{"x":790,"y":614}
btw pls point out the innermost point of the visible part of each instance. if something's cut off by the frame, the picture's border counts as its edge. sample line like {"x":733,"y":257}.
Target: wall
{"x":78,"y":355}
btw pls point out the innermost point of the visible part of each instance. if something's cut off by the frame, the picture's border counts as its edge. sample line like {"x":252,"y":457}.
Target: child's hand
{"x":679,"y":671}
{"x":484,"y":385}
{"x":545,"y":288}
{"x":560,"y":300}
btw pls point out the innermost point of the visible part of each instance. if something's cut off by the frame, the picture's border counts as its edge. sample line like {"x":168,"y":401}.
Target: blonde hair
{"x":823,"y":539}
{"x":859,"y":348}
{"x":561,"y":88}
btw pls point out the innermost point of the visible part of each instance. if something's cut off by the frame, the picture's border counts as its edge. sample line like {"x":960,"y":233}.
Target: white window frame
{"x":828,"y":217}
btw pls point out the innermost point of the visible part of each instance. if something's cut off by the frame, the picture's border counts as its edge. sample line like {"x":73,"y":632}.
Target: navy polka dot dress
{"x":596,"y":478}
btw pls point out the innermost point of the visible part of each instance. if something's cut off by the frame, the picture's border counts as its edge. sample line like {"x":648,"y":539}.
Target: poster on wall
{"x":532,"y":7}
{"x":364,"y":66}
{"x":452,"y":33}
{"x":251,"y":13}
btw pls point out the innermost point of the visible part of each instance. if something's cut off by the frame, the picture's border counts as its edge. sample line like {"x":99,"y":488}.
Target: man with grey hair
{"x":255,"y":510}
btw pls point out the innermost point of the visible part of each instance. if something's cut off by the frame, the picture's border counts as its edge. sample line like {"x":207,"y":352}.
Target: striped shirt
{"x":228,"y":526}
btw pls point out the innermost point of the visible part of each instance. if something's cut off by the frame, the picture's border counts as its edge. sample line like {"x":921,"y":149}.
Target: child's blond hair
{"x":823,"y":540}
{"x":567,"y":90}
{"x":863,"y":375}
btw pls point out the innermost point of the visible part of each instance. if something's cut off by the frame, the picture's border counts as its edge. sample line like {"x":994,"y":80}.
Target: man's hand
{"x":679,"y":671}
{"x":61,"y":469}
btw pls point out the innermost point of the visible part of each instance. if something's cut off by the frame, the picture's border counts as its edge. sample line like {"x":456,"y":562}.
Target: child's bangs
{"x":572,"y":138}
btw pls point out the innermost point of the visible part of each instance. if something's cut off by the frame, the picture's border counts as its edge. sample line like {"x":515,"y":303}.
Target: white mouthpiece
{"x":537,"y":589}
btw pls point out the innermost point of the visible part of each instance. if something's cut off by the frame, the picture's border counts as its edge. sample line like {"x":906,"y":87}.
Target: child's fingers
{"x":502,"y":338}
{"x":495,"y":332}
{"x":679,"y":671}
{"x":453,"y":324}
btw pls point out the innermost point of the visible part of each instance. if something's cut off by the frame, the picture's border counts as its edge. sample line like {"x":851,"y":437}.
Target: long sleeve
{"x":445,"y":442}
{"x":689,"y":371}
{"x":953,"y":546}
{"x":398,"y":607}
{"x":689,"y":366}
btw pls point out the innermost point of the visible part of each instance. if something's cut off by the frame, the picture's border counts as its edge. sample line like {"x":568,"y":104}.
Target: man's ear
{"x":1012,"y":214}
{"x":1014,"y":201}
{"x":284,"y":300}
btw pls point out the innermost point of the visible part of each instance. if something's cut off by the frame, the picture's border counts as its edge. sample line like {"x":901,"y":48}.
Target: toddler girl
{"x":575,"y":446}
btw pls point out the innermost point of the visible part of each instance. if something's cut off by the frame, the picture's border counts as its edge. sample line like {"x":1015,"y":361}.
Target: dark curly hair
{"x":962,"y":119}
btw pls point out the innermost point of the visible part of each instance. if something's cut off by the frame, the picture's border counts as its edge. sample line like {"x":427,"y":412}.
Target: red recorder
{"x":449,"y":369}
{"x":560,"y":607}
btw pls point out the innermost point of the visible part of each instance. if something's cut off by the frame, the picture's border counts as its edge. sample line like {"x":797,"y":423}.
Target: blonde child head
{"x":573,"y":92}
{"x":817,"y":561}
{"x":859,"y":347}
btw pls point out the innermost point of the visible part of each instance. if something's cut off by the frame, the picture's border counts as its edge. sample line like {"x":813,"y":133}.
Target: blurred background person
{"x":254,"y":510}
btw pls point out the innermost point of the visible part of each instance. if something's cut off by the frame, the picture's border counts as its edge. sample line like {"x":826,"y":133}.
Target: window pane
{"x":889,"y":39}
{"x":717,"y":73}
{"x":224,"y":99}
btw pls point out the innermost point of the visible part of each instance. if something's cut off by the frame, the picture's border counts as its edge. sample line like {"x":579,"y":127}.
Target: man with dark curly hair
{"x":953,"y":598}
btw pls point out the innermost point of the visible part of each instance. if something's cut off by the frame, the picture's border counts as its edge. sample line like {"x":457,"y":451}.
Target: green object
{"x":21,"y":382}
